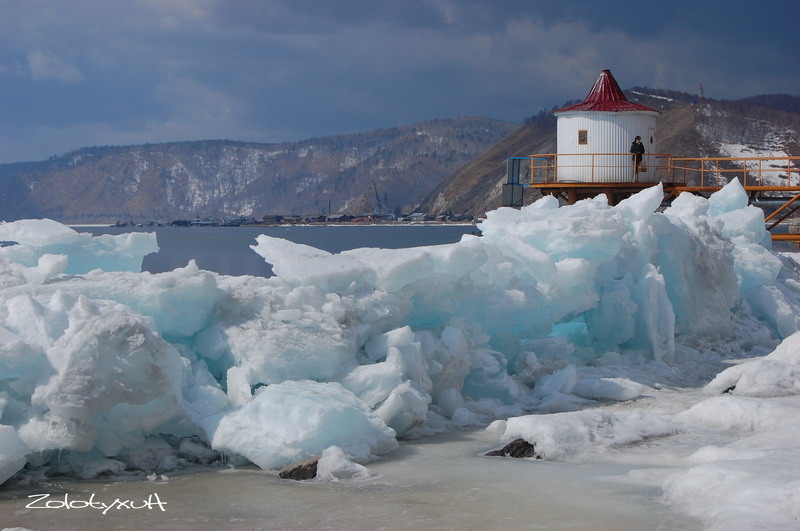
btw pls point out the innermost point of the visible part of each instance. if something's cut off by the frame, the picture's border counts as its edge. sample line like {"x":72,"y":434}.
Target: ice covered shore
{"x":551,"y":313}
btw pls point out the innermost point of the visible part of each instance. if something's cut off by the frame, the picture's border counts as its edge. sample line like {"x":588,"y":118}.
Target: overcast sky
{"x":76,"y":73}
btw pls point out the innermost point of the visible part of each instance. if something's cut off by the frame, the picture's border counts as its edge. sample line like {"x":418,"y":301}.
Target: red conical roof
{"x":605,"y":96}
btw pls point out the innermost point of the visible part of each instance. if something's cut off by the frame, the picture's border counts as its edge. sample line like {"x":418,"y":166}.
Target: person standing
{"x":637,"y":150}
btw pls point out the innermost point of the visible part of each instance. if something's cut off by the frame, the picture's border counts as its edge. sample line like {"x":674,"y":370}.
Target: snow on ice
{"x":593,"y":332}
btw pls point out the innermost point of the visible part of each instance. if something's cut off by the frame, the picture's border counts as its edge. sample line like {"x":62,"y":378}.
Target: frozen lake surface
{"x":438,"y":482}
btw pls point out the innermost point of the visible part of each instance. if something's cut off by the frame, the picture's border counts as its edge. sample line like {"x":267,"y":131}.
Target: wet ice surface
{"x":439,"y":482}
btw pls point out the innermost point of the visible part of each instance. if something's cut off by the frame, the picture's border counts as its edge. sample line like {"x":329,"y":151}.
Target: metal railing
{"x":552,"y":168}
{"x":751,"y":171}
{"x":777,"y":172}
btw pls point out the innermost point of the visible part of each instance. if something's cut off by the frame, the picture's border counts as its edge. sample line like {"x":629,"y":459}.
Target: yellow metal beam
{"x":786,"y":238}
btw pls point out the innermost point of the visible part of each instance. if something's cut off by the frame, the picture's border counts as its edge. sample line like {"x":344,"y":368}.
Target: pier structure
{"x":593,"y":157}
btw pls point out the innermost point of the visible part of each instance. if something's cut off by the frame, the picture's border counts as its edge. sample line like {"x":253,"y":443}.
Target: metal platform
{"x":772,"y":180}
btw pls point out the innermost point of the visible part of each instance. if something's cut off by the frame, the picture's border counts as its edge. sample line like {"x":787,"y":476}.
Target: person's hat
{"x":638,"y":138}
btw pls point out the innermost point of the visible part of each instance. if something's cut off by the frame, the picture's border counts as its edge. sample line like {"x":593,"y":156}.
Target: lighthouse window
{"x":583,"y":136}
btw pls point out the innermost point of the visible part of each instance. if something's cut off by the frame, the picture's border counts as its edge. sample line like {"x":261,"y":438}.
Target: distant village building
{"x":271,"y":219}
{"x":604,"y":123}
{"x":339,"y":218}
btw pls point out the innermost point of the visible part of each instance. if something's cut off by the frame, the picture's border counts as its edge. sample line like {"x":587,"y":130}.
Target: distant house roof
{"x":605,"y":96}
{"x":339,"y":217}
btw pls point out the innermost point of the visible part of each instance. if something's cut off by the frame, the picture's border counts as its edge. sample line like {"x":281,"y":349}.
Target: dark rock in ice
{"x":303,"y":470}
{"x":516,"y":448}
{"x":729,"y":390}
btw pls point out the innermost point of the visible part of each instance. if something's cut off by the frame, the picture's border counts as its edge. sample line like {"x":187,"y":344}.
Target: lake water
{"x":439,"y":482}
{"x":226,"y":249}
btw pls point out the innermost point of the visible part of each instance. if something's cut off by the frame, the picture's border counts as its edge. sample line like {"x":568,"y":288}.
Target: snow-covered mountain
{"x":442,"y":166}
{"x":397,"y":166}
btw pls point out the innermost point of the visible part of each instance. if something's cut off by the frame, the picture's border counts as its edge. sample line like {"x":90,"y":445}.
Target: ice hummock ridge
{"x":102,"y":364}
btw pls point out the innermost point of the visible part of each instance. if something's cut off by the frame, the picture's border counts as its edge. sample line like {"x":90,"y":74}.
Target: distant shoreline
{"x":316,"y":224}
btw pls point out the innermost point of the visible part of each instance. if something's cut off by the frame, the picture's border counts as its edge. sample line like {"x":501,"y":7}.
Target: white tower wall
{"x":605,"y":133}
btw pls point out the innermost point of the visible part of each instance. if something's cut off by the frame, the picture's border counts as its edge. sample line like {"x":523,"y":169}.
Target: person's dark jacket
{"x":637,"y":148}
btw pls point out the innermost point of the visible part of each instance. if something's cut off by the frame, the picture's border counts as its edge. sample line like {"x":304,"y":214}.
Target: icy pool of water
{"x":440,"y":482}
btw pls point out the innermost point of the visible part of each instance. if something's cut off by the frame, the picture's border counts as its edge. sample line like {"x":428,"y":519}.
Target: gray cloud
{"x":95,"y":72}
{"x":48,"y":65}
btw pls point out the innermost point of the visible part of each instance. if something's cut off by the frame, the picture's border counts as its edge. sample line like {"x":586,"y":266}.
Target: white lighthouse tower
{"x":594,"y":136}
